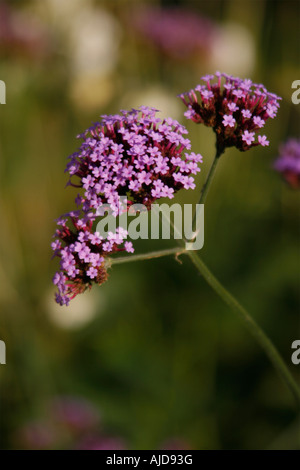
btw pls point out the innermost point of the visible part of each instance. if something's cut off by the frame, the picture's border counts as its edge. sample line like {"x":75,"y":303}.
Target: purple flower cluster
{"x":236,"y":109}
{"x":288,"y":162}
{"x":134,"y":155}
{"x":177,"y":32}
{"x":82,"y":254}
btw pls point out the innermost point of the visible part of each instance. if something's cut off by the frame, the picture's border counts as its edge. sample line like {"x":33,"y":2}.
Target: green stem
{"x":250,"y":323}
{"x":210,"y":176}
{"x":145,"y":256}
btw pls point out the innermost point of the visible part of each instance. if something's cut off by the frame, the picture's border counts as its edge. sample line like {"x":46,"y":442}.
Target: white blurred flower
{"x":89,"y":38}
{"x":90,"y":34}
{"x":94,"y":42}
{"x":157,"y":97}
{"x":233,"y":50}
{"x":81,"y":311}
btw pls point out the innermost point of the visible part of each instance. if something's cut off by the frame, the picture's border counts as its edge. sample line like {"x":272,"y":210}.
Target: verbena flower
{"x":288,"y":162}
{"x":236,"y":109}
{"x":82,"y":254}
{"x":135,"y":155}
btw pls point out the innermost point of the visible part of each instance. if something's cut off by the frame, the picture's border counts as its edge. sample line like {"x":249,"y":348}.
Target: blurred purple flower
{"x":98,"y":442}
{"x":235,"y":110}
{"x":77,"y":414}
{"x":288,"y":162}
{"x":22,"y":34}
{"x":177,"y":32}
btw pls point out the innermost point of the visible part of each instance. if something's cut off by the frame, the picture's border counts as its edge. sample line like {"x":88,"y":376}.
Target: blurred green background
{"x":154,"y":350}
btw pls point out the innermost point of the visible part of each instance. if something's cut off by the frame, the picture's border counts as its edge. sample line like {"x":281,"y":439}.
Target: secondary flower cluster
{"x":288,"y":162}
{"x":133,"y":154}
{"x":236,"y":109}
{"x":82,"y":254}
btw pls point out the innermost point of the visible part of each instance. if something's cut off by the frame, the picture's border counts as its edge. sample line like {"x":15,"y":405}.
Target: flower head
{"x":236,"y":109}
{"x":132,"y":154}
{"x":288,"y":162}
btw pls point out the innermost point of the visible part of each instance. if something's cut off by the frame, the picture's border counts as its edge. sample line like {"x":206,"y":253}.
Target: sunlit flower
{"x":236,"y":109}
